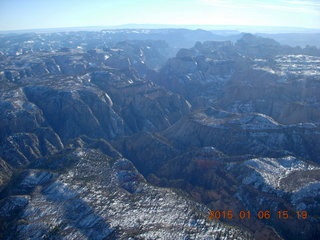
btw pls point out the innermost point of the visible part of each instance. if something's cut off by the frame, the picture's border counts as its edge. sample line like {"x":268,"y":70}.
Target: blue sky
{"x":30,"y":14}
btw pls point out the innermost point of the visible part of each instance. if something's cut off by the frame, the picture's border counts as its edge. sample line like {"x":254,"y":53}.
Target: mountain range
{"x":137,"y":134}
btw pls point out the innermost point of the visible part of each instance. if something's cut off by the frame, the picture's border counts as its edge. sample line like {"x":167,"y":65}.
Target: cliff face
{"x":253,"y":133}
{"x":87,"y":124}
{"x":45,"y":109}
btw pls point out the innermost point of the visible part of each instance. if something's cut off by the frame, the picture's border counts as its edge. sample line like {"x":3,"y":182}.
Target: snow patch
{"x":270,"y":171}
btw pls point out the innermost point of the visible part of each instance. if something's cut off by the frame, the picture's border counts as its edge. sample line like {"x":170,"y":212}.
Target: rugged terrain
{"x":109,"y":135}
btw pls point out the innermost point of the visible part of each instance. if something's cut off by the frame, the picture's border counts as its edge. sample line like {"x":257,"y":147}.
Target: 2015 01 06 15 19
{"x":261,"y":214}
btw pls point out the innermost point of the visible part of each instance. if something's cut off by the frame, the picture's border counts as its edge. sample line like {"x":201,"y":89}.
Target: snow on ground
{"x":270,"y":171}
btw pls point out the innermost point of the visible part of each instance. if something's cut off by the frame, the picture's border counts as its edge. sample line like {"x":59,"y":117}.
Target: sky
{"x":35,"y":14}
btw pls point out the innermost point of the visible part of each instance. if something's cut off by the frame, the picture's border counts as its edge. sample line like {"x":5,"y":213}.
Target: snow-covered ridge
{"x":254,"y":121}
{"x":257,"y":121}
{"x":270,"y":171}
{"x":300,"y":65}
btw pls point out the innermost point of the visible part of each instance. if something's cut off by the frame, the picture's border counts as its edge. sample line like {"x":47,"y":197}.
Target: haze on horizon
{"x":37,"y":14}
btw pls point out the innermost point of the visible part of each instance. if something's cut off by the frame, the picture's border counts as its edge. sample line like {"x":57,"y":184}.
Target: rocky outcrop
{"x":142,"y":104}
{"x":22,"y":148}
{"x":18,"y":114}
{"x":289,"y":98}
{"x":273,"y":178}
{"x":255,"y":134}
{"x":25,"y":135}
{"x":5,"y":174}
{"x":72,"y":113}
{"x":203,"y":69}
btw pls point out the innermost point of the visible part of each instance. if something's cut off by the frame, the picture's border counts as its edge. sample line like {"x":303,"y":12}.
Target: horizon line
{"x":208,"y":27}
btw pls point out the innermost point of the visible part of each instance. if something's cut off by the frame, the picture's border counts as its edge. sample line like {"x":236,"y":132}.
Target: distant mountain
{"x":238,"y":28}
{"x":296,"y":39}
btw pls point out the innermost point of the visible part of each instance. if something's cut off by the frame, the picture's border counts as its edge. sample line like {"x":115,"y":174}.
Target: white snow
{"x":272,"y":170}
{"x":298,"y":64}
{"x":80,"y":153}
{"x":256,"y":121}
